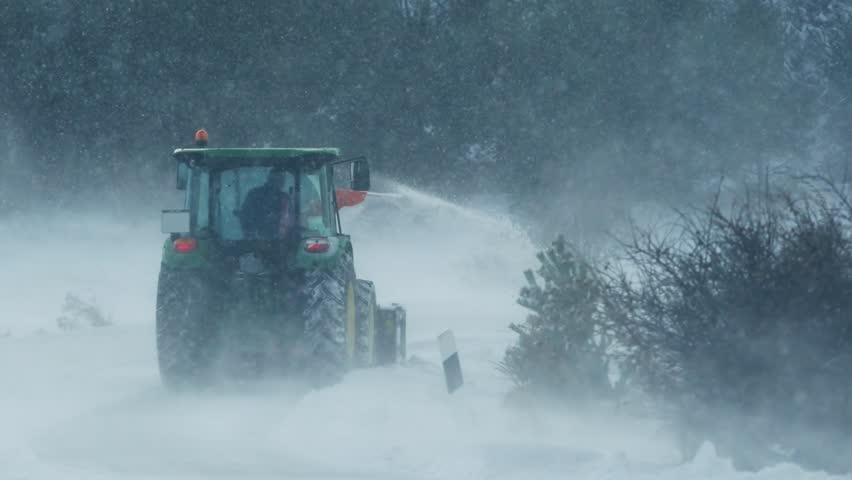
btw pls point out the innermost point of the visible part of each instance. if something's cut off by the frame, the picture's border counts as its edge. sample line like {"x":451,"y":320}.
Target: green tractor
{"x":257,"y":276}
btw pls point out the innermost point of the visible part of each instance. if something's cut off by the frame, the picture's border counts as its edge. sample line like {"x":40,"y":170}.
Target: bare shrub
{"x":77,"y":312}
{"x":741,"y":319}
{"x":736,"y":322}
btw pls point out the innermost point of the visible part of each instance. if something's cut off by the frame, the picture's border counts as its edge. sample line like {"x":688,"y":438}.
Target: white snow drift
{"x":87,"y":404}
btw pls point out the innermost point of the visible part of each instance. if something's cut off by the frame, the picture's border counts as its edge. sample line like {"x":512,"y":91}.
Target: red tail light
{"x":185,"y":245}
{"x":317,"y":245}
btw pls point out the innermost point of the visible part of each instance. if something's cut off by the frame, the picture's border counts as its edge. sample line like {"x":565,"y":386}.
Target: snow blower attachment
{"x":257,"y":276}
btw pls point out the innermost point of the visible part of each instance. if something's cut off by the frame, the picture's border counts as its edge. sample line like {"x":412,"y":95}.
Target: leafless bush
{"x":77,"y":312}
{"x":745,"y":315}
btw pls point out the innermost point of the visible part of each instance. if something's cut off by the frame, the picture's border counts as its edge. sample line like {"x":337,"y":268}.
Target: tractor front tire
{"x":186,"y":334}
{"x":365,"y":299}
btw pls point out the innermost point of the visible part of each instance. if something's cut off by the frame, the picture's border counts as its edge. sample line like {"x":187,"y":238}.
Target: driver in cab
{"x":267,"y":211}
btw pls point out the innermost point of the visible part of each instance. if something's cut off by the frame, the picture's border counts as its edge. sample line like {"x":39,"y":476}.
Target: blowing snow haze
{"x":522,"y":120}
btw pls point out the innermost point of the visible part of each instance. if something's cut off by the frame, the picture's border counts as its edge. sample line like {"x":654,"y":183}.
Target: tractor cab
{"x":257,"y":275}
{"x":245,"y":197}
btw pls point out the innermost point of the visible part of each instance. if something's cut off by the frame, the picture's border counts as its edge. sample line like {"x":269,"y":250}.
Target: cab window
{"x":315,"y":204}
{"x":266,"y":214}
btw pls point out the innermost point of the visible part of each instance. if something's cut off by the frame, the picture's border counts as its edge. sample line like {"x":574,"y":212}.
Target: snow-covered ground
{"x":87,"y":404}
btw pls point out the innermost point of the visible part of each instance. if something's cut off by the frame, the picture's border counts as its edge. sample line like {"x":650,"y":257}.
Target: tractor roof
{"x":221,"y":157}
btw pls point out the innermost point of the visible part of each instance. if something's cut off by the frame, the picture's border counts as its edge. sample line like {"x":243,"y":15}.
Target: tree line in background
{"x":535,"y":99}
{"x":733,"y":321}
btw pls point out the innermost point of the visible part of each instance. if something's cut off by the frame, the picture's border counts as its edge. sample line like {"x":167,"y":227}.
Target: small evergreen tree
{"x":562,"y":346}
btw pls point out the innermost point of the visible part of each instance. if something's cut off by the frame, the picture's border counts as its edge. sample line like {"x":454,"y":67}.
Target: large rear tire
{"x":186,"y":335}
{"x":330,"y":321}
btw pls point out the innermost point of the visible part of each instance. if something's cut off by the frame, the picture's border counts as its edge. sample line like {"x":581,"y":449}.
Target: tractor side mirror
{"x":361,"y":175}
{"x":182,"y":175}
{"x":175,"y":221}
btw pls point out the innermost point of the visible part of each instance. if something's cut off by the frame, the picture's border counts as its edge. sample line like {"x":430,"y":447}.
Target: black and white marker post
{"x":450,"y":361}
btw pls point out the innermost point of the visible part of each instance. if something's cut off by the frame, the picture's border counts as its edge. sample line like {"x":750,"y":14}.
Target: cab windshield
{"x":260,"y":203}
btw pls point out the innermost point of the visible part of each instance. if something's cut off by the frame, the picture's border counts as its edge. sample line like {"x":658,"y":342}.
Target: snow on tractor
{"x":257,"y":276}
